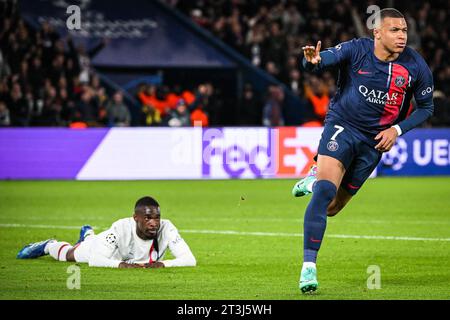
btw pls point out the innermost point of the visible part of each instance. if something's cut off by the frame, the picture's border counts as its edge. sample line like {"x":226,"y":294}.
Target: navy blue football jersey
{"x":372,"y":94}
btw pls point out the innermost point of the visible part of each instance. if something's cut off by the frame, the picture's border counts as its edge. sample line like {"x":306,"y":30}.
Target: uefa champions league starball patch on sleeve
{"x":111,"y":239}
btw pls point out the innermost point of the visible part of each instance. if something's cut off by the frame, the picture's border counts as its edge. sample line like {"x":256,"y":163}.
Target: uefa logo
{"x":332,"y":146}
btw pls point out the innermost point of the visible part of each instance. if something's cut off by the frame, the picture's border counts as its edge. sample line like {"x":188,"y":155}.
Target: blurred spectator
{"x":117,"y":112}
{"x":180,"y":116}
{"x":174,"y":97}
{"x":36,"y":76}
{"x":4,"y":115}
{"x":51,"y":112}
{"x":254,"y":44}
{"x":294,"y":82}
{"x":273,"y":70}
{"x":292,"y":20}
{"x":317,"y":94}
{"x":86,"y":109}
{"x":441,"y":116}
{"x":250,"y":109}
{"x":276,"y":46}
{"x":199,"y":118}
{"x":150,"y":116}
{"x":205,"y":107}
{"x":18,"y":107}
{"x":273,"y":109}
{"x":82,"y":58}
{"x":47,"y":38}
{"x":156,"y":98}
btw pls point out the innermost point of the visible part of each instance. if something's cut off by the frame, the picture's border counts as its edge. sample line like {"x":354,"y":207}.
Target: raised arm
{"x":316,"y":60}
{"x":312,"y":54}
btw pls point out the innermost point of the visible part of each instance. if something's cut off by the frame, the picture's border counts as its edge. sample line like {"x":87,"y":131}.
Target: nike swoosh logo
{"x":314,"y":240}
{"x":363,"y":72}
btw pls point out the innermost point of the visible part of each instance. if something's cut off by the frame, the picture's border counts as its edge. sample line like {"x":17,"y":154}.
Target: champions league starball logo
{"x":397,"y":156}
{"x":111,"y":239}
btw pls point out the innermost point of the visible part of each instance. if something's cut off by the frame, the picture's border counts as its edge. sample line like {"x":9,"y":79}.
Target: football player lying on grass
{"x":136,"y":242}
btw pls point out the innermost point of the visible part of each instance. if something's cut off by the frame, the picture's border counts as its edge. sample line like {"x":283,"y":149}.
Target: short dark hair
{"x":146,"y":202}
{"x":390,"y":13}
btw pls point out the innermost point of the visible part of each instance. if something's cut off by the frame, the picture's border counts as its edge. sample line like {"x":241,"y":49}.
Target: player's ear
{"x":135,"y":217}
{"x":376,"y":33}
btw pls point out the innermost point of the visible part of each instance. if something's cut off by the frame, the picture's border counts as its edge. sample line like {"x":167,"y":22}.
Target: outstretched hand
{"x":387,"y":139}
{"x":157,"y":264}
{"x":312,"y":54}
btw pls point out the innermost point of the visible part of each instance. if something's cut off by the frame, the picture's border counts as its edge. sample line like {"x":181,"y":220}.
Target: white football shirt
{"x":120,"y":243}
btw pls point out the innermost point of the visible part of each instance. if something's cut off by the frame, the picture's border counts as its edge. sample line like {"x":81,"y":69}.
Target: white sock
{"x":308,"y":265}
{"x":58,"y":249}
{"x":310,"y":185}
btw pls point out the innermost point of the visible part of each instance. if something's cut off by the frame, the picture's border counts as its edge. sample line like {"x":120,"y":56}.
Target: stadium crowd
{"x":46,"y":80}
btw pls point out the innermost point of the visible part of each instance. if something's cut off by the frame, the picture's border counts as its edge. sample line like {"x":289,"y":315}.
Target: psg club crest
{"x":399,"y":81}
{"x":332,"y":146}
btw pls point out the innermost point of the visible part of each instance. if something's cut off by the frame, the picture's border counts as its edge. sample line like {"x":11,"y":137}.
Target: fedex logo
{"x":237,"y":153}
{"x":258,"y":152}
{"x":296,"y":150}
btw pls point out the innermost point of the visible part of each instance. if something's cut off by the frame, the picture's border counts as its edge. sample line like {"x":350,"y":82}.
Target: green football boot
{"x":308,"y":280}
{"x":300,"y":189}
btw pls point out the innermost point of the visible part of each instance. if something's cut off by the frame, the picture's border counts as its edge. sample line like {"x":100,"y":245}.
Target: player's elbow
{"x":94,"y":263}
{"x":102,"y":262}
{"x":427,"y":110}
{"x":191,"y":261}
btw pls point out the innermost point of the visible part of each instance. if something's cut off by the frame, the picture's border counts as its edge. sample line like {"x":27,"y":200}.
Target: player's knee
{"x":334,"y":208}
{"x":70,"y":256}
{"x":325,"y":190}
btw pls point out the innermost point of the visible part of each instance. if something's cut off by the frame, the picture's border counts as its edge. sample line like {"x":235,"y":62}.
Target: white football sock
{"x":310,"y":185}
{"x":58,"y":249}
{"x":308,"y":264}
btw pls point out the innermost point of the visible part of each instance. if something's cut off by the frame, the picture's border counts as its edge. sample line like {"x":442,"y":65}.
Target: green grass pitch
{"x":260,"y":259}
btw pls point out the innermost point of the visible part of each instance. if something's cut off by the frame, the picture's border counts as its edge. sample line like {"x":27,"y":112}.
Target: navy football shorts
{"x":358,"y":158}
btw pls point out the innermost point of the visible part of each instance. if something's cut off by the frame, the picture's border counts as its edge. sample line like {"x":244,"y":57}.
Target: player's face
{"x":148,"y":221}
{"x":393,"y":34}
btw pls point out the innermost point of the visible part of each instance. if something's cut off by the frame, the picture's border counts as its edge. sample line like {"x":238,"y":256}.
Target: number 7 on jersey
{"x":339,"y":130}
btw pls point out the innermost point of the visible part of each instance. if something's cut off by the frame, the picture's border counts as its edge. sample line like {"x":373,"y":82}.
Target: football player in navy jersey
{"x":372,"y":107}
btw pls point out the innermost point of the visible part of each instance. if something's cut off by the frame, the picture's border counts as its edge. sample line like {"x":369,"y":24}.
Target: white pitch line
{"x":243,"y":233}
{"x":38,"y":226}
{"x":341,"y":236}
